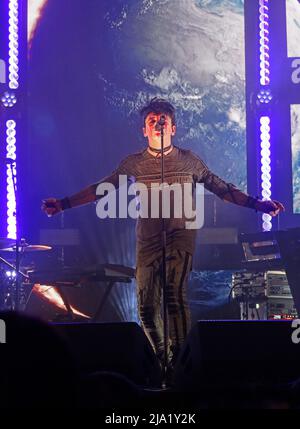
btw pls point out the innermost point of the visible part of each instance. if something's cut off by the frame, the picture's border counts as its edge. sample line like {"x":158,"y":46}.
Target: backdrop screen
{"x":295,"y":121}
{"x":118,"y":54}
{"x":293,"y":26}
{"x":293,"y":49}
{"x":93,"y":65}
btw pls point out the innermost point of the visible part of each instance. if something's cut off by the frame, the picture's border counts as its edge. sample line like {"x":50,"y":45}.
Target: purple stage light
{"x":8,"y":99}
{"x":264,"y":96}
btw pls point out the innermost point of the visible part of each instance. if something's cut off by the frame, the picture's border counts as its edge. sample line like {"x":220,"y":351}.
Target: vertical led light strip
{"x":11,"y":139}
{"x":264,"y":42}
{"x":11,"y":201}
{"x":265,"y":167}
{"x":13,"y":45}
{"x":264,"y":120}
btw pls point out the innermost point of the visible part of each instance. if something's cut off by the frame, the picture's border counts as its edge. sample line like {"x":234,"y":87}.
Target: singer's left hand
{"x":272,"y":207}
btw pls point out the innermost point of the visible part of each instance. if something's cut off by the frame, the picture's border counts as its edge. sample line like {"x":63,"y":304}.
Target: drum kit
{"x":17,"y":285}
{"x":13,"y":281}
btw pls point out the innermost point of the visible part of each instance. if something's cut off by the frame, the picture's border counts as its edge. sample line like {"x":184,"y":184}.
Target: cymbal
{"x":6,"y":242}
{"x":28,"y":248}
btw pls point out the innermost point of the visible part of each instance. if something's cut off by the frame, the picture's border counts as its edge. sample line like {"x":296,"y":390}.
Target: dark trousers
{"x":149,"y":283}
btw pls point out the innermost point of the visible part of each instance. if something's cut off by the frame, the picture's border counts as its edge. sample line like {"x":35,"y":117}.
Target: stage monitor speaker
{"x":118,"y":347}
{"x":237,"y":353}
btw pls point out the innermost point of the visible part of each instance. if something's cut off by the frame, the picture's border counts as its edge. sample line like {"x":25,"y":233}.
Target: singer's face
{"x":154,"y":134}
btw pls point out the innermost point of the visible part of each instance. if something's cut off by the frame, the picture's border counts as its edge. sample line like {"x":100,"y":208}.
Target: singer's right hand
{"x":51,"y":206}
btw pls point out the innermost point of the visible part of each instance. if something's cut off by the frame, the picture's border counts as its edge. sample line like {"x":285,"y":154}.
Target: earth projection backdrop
{"x":293,"y":50}
{"x":94,"y":63}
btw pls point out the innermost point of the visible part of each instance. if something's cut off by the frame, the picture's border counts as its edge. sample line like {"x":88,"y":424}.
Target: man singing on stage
{"x":180,"y":166}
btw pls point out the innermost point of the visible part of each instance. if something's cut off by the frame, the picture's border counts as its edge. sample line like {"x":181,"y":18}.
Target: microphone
{"x":160,"y":123}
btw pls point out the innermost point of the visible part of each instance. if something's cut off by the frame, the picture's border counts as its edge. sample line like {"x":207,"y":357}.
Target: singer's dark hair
{"x":159,"y":105}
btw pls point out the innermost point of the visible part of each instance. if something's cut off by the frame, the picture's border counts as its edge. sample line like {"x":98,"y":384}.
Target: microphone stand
{"x":161,"y":123}
{"x":12,"y":267}
{"x":18,"y":240}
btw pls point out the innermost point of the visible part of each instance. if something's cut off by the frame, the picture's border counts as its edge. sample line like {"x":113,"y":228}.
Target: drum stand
{"x":15,"y":283}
